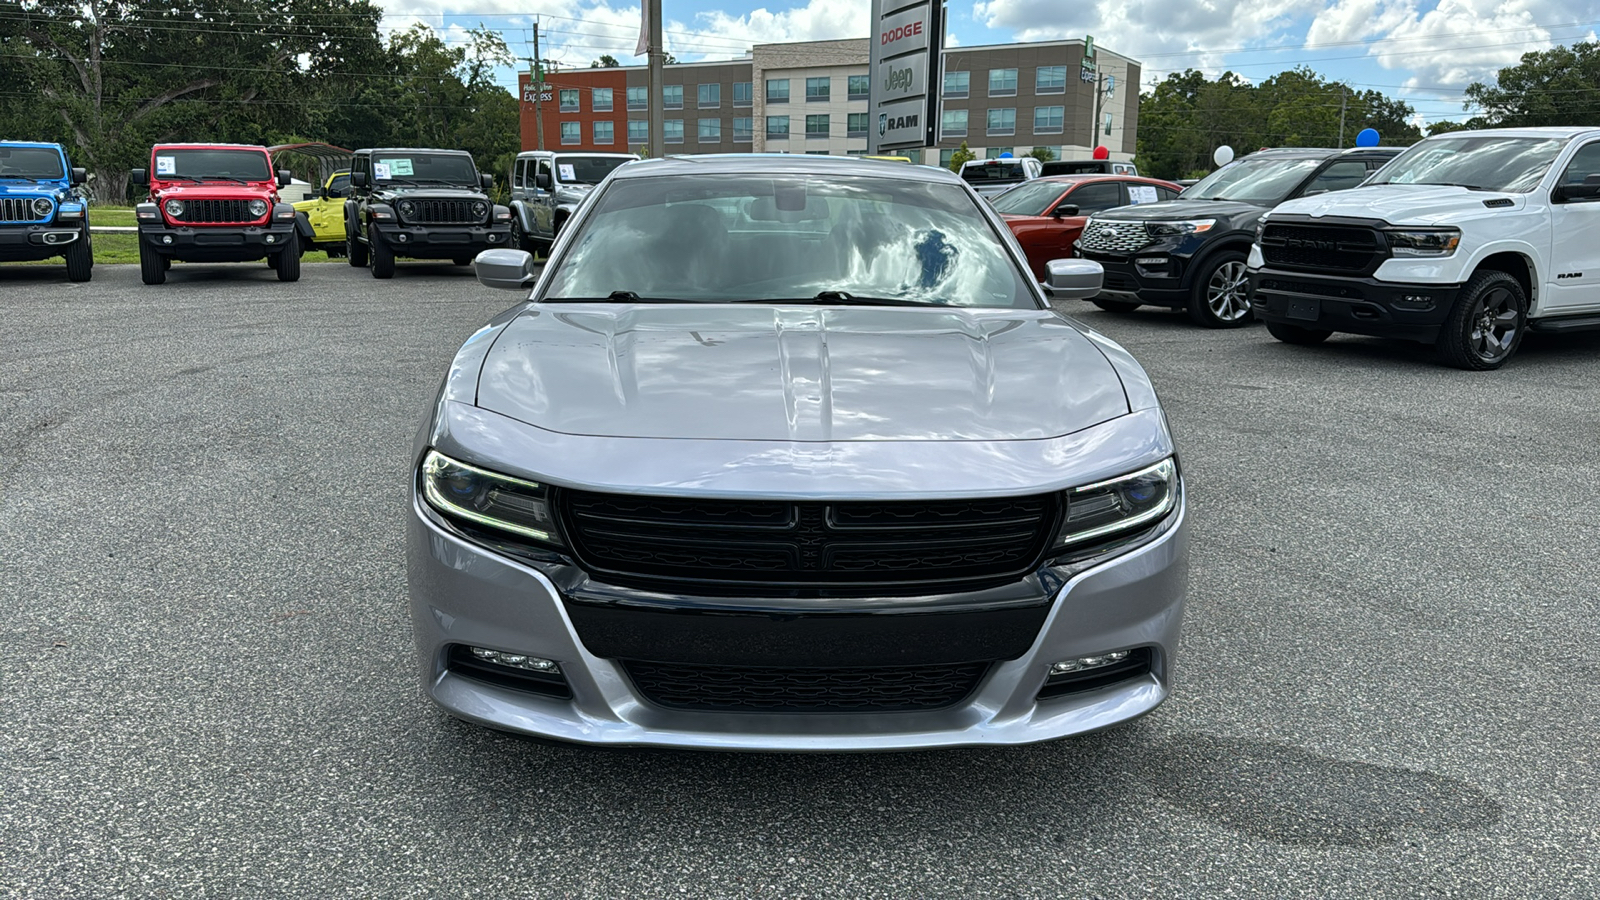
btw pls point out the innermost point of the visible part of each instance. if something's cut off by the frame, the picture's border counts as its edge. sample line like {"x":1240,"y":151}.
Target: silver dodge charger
{"x":791,"y":453}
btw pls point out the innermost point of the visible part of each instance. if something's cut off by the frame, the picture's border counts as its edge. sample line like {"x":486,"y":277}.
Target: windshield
{"x":754,"y":238}
{"x":586,"y":169}
{"x":1034,"y":198}
{"x":1080,"y":167}
{"x":226,"y":165}
{"x":436,"y":168}
{"x":994,"y":172}
{"x":38,"y":163}
{"x":1494,"y":163}
{"x":1265,"y":182}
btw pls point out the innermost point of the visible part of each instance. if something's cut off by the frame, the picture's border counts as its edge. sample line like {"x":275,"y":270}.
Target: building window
{"x":777,"y":127}
{"x":1105,"y":126}
{"x":672,"y":96}
{"x":1050,"y":80}
{"x":999,"y":152}
{"x":945,"y":156}
{"x":569,"y":100}
{"x":859,"y":86}
{"x":856,"y":125}
{"x":710,"y":131}
{"x":710,"y":96}
{"x":638,"y":131}
{"x":743,"y":129}
{"x":743,"y":93}
{"x":855,"y":153}
{"x":957,"y":85}
{"x":1049,"y":119}
{"x":816,"y":153}
{"x":601,"y":99}
{"x":1002,"y":121}
{"x":953,"y":123}
{"x":674,"y":131}
{"x":817,"y":126}
{"x":639,"y":97}
{"x":777,"y":90}
{"x":818,"y":89}
{"x":1002,"y":82}
{"x":571,"y":132}
{"x":604,"y":132}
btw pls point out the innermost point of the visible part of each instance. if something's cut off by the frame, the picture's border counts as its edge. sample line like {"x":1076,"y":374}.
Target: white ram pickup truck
{"x":1465,"y":241}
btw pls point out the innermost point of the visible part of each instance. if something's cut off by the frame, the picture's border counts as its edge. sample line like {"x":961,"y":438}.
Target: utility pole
{"x":657,"y":63}
{"x":1341,"y":116}
{"x":538,"y":92}
{"x":1099,"y":90}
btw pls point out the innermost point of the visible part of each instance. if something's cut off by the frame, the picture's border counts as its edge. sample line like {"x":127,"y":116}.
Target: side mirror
{"x":284,"y":178}
{"x":486,"y":181}
{"x":139,"y":176}
{"x":1588,"y":190}
{"x":79,"y":176}
{"x":1065,"y":209}
{"x":1073,"y":279}
{"x":512,"y":270}
{"x":358,"y":179}
{"x":542,"y":180}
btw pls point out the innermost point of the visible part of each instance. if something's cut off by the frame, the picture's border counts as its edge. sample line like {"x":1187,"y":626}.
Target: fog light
{"x":1088,"y":662}
{"x":272,"y":239}
{"x":1414,"y":301}
{"x":166,"y":239}
{"x":401,"y":238}
{"x":494,"y":238}
{"x":515,"y":660}
{"x":1152,"y":261}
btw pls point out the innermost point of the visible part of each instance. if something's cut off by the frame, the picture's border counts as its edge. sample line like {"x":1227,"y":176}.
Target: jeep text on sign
{"x":899,"y":79}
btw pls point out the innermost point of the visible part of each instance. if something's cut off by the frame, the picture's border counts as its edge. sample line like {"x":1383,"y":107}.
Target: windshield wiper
{"x":615,"y":297}
{"x":841,"y":298}
{"x":231,"y":178}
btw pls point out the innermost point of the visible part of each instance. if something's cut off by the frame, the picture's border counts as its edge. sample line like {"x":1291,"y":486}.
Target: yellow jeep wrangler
{"x":326,"y":215}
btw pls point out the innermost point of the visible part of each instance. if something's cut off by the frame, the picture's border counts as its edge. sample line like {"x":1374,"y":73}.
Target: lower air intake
{"x":737,"y":689}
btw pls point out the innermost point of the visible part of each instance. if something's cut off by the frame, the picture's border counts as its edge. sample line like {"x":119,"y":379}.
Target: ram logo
{"x":1569,"y":275}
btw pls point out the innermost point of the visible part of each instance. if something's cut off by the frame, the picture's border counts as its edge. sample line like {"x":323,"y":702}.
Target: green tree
{"x":1043,"y":154}
{"x":962,"y":155}
{"x":606,"y":61}
{"x":1560,"y":86}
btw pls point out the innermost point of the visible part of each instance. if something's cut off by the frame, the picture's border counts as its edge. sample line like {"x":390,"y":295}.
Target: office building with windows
{"x":811,"y":97}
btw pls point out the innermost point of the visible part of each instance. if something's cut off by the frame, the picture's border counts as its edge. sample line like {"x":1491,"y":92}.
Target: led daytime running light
{"x":523,"y":498}
{"x":1111,"y":500}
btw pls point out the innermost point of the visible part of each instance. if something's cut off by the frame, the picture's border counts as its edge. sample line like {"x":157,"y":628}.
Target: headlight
{"x":407,"y":208}
{"x":42,"y":206}
{"x":258,"y":208}
{"x":174,"y":208}
{"x":1191,"y":226}
{"x":480,"y":209}
{"x":500,"y":502}
{"x":1119,"y":504}
{"x":1424,"y":242}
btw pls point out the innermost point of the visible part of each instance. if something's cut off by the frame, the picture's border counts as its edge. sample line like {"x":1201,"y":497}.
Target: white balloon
{"x":1223,"y":156}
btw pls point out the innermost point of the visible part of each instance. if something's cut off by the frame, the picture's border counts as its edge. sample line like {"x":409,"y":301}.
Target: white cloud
{"x":818,"y":20}
{"x":1452,"y":44}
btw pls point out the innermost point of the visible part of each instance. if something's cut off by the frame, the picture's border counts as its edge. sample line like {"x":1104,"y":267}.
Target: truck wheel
{"x":80,"y":257}
{"x":1116,"y":306}
{"x":519,"y":240}
{"x":1294,"y":334}
{"x":152,"y":270}
{"x":1220,"y":296}
{"x":288,"y":264}
{"x":1485,"y":326}
{"x":382,"y":259}
{"x":356,"y":250}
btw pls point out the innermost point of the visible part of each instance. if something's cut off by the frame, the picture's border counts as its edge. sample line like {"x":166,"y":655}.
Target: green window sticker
{"x":398,"y":168}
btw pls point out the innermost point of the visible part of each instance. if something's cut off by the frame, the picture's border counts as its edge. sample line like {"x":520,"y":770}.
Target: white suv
{"x":1465,"y":241}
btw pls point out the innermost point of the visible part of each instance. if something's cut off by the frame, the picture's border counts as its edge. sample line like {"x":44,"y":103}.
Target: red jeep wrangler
{"x":214,"y":203}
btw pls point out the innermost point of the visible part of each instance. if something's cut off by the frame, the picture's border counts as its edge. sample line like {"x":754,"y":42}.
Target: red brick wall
{"x":584,"y":80}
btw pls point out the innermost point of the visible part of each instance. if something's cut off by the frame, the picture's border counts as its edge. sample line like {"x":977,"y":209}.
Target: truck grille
{"x":444,"y":212}
{"x":20,"y":209}
{"x":216,"y":212}
{"x":1123,"y":237}
{"x":846,"y":548}
{"x":735,"y":689}
{"x":1324,"y":248}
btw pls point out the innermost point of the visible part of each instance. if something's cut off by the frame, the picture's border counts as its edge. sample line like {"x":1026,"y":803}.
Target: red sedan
{"x":1047,"y":214}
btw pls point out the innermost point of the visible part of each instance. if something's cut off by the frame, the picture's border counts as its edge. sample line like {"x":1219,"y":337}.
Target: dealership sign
{"x":906,"y":42}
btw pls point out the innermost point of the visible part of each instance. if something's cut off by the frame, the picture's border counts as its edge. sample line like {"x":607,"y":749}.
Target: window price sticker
{"x":380,"y":171}
{"x":166,"y":165}
{"x":1143,"y":193}
{"x":567,"y":172}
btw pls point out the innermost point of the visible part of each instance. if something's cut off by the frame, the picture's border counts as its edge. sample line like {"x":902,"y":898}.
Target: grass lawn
{"x":119,"y":248}
{"x":111,"y":215}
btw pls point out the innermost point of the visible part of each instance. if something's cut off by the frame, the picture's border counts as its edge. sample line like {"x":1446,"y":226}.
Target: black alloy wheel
{"x":519,"y":240}
{"x":1487,"y":323}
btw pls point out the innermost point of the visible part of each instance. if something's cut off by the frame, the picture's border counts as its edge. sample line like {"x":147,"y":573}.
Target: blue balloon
{"x":1367,"y":138}
{"x":1006,"y":155}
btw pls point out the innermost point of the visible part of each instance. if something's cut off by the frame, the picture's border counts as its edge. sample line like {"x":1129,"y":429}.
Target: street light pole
{"x":657,"y":145}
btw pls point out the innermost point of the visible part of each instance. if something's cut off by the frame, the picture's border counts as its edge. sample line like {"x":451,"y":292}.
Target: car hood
{"x":216,"y":191}
{"x":431,"y":191}
{"x":1403,"y":204}
{"x":794,"y":373}
{"x":1178,"y":210}
{"x":50,"y":189}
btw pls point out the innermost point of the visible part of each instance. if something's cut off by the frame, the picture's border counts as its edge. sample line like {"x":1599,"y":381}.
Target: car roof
{"x":782,"y":164}
{"x":33,"y":145}
{"x":1547,"y":131}
{"x":409,"y":150}
{"x":1107,"y":176}
{"x":531,"y":153}
{"x":210,"y":146}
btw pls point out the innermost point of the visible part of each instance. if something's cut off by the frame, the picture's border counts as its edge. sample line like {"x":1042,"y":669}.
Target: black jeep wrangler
{"x":422,"y":204}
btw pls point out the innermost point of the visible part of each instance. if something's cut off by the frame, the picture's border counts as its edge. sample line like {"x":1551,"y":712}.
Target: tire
{"x":1486,"y":325}
{"x":289,"y":264}
{"x":272,"y":260}
{"x":1116,"y":306}
{"x":462,"y":260}
{"x":382,"y":258}
{"x":152,"y":267}
{"x":354,"y":249}
{"x":519,"y":240}
{"x":80,"y":257}
{"x":1219,"y":297}
{"x":1294,"y":334}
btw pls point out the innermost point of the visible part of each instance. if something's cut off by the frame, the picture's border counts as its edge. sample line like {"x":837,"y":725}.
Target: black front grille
{"x":756,"y":545}
{"x":1322,"y":289}
{"x":731,"y":689}
{"x":440,"y":212}
{"x":20,"y":209}
{"x":1328,"y":248}
{"x":217,"y":212}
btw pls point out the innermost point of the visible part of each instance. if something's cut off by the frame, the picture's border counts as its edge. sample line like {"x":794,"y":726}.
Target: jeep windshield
{"x":1484,"y":163}
{"x":425,"y":168}
{"x":31,"y":163}
{"x":787,"y":239}
{"x":587,"y":169}
{"x":1264,"y":182}
{"x":208,"y":164}
{"x":989,"y":173}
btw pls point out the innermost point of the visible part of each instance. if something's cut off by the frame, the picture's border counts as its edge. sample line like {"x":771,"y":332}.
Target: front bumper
{"x":442,"y":241}
{"x":1353,"y":305}
{"x":21,"y":243}
{"x":218,"y":243}
{"x":1127,"y":281}
{"x":464,"y":594}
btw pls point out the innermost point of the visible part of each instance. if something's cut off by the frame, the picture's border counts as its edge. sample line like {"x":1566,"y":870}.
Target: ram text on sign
{"x":901,"y":122}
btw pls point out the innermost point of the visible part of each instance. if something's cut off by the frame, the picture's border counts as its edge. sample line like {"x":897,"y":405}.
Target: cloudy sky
{"x":1422,"y":51}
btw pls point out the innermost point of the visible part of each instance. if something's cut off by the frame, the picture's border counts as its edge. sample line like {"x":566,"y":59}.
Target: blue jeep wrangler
{"x":42,"y":214}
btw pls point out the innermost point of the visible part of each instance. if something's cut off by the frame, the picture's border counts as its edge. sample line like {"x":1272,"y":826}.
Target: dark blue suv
{"x":42,"y":214}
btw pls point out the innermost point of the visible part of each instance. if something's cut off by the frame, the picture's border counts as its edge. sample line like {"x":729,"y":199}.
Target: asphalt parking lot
{"x":1389,"y":682}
